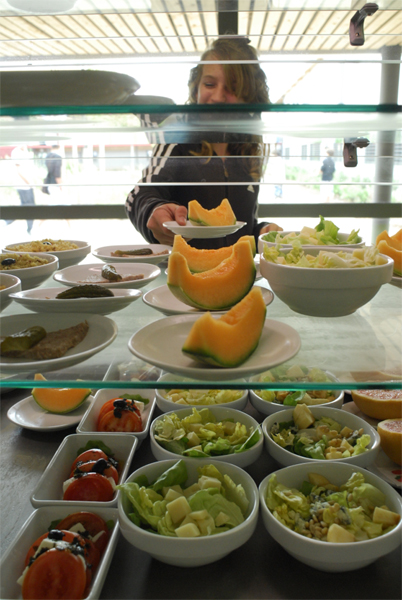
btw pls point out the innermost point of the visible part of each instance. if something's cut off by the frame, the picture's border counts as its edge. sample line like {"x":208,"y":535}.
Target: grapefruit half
{"x":379,"y":404}
{"x":390,"y":432}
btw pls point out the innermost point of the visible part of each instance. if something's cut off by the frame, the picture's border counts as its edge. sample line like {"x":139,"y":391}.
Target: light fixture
{"x":43,"y":6}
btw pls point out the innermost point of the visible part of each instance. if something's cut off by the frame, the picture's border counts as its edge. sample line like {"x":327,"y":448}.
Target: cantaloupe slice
{"x":200,"y":260}
{"x":379,"y":404}
{"x":390,"y":432}
{"x":58,"y":400}
{"x":216,"y":217}
{"x":231,"y":339}
{"x":391,"y":246}
{"x":217,"y":289}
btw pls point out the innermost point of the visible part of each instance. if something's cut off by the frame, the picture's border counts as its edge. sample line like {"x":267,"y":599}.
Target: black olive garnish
{"x":6,"y":262}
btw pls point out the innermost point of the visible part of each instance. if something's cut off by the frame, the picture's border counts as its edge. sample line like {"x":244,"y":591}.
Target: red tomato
{"x":55,"y":575}
{"x":109,"y":405}
{"x":93,"y":454}
{"x":91,"y":553}
{"x":90,"y":487}
{"x":94,"y":524}
{"x":128,"y":422}
{"x":109,"y":471}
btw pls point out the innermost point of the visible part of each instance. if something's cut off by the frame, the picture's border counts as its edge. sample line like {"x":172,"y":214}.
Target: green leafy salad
{"x":320,"y":439}
{"x":360,"y":257}
{"x":323,"y":234}
{"x":211,"y":505}
{"x":284,"y":373}
{"x":352,"y":512}
{"x":200,"y":435}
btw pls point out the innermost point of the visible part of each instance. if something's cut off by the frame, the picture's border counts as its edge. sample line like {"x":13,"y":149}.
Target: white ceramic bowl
{"x":286,"y":458}
{"x":92,"y":273}
{"x":326,"y":292}
{"x":166,"y":405}
{"x":12,"y":562}
{"x":49,"y":489}
{"x":191,"y":552}
{"x":327,"y":556}
{"x":267,"y":408}
{"x":105,"y":253}
{"x":241,"y":459}
{"x":31,"y":277}
{"x":67,"y":258}
{"x":89,"y":420}
{"x":342,"y":236}
{"x":12,"y":285}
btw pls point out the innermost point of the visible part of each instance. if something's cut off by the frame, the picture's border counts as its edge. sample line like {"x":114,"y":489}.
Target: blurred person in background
{"x":23,"y":178}
{"x":327,"y":174}
{"x":52,"y":181}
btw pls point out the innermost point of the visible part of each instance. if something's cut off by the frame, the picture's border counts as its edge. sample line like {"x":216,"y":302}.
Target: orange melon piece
{"x":379,"y":404}
{"x":216,"y":217}
{"x":393,"y":253}
{"x":390,"y":432}
{"x":216,"y":289}
{"x":231,"y":339}
{"x":199,"y":260}
{"x":58,"y":400}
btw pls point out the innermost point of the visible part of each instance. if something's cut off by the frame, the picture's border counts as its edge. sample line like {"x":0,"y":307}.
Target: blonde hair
{"x":248,"y":82}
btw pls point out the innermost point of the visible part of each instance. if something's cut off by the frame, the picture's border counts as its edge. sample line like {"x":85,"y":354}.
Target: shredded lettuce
{"x":325,"y":233}
{"x":358,"y":258}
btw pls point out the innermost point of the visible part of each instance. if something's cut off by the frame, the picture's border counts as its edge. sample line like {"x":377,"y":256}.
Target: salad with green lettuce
{"x":323,"y":234}
{"x":366,"y":256}
{"x":200,"y":435}
{"x":352,"y":512}
{"x":299,"y":373}
{"x":319,"y":439}
{"x":211,"y":505}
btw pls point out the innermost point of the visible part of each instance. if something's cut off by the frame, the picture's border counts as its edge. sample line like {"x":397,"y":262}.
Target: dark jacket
{"x":168,"y":166}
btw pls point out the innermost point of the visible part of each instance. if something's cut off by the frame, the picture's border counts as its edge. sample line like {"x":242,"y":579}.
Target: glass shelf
{"x":362,"y":350}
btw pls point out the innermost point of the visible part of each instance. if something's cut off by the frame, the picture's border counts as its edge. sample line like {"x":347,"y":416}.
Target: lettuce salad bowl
{"x":224,"y":506}
{"x":323,"y":283}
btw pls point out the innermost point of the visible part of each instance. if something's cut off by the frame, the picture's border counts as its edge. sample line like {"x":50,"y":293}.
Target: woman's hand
{"x":163,"y":213}
{"x":270,"y":227}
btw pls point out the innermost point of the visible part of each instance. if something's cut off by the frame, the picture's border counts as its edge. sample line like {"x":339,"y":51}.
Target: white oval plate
{"x":92,"y":274}
{"x":202,"y":231}
{"x":44,"y":300}
{"x":163,"y":300}
{"x":29,"y":415}
{"x":66,"y":257}
{"x":102,"y":332}
{"x":160,"y":344}
{"x":105,"y":253}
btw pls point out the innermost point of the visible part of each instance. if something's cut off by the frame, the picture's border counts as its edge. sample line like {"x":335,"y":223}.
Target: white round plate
{"x":105,"y":253}
{"x":44,"y":300}
{"x":102,"y":332}
{"x":396,"y":280}
{"x":28,"y":414}
{"x":92,"y":273}
{"x":66,"y":257}
{"x":163,"y":300}
{"x":202,"y":231}
{"x":160,"y":344}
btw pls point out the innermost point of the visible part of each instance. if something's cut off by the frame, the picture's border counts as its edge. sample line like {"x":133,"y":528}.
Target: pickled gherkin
{"x":15,"y":344}
{"x":85,"y":291}
{"x":110,"y":273}
{"x":138,"y":252}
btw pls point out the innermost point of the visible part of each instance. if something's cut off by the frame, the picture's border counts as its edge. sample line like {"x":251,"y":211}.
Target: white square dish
{"x":12,"y":563}
{"x":49,"y":490}
{"x":88,"y":421}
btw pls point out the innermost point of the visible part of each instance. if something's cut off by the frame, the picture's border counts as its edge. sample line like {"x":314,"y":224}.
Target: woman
{"x":222,"y":161}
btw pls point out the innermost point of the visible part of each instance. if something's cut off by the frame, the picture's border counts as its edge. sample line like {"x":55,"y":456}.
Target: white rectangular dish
{"x":49,"y":490}
{"x":12,"y":563}
{"x":88,"y":421}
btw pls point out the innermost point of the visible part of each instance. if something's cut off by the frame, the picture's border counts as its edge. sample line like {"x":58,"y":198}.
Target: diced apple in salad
{"x":366,"y":256}
{"x":323,"y":234}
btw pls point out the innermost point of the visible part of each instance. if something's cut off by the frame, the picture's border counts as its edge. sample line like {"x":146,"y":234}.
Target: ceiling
{"x":92,"y":29}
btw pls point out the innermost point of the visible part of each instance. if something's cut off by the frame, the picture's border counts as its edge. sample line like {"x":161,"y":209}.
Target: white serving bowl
{"x":38,"y":523}
{"x":267,"y":408}
{"x":166,"y":405}
{"x":31,"y":277}
{"x":326,"y":292}
{"x":90,"y":418}
{"x":49,"y":489}
{"x":286,"y":458}
{"x":67,"y":258}
{"x":190,"y":552}
{"x":327,"y":556}
{"x":241,"y":459}
{"x":342,"y":236}
{"x":12,"y":284}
